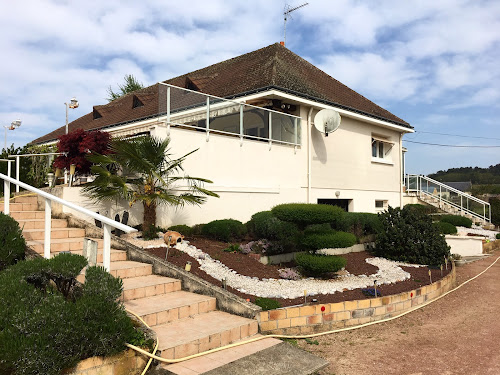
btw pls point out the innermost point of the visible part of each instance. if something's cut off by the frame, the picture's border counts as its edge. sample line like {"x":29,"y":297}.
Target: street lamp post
{"x":14,"y":125}
{"x":73,"y":103}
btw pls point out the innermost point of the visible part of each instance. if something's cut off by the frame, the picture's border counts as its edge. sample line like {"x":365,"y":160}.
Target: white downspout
{"x":309,"y":147}
{"x":401,"y":172}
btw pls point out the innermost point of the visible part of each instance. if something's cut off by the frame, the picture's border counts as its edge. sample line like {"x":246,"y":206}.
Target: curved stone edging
{"x":324,"y":317}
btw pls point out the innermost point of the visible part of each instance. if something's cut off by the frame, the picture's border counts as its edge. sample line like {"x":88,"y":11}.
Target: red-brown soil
{"x":249,"y":266}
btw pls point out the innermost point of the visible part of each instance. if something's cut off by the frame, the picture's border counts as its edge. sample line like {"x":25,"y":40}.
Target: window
{"x":137,"y":102}
{"x":381,"y":150}
{"x":380,"y":205}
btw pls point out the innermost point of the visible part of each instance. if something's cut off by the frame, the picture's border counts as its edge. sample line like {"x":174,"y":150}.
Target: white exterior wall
{"x":342,"y":162}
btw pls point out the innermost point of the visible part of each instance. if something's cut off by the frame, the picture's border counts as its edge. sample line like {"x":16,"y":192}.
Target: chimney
{"x":282,"y":43}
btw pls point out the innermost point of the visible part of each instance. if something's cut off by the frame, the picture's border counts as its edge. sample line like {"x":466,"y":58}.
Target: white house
{"x":260,"y":146}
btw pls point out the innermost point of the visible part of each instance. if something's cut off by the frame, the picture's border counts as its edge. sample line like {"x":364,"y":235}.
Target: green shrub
{"x":318,"y":265}
{"x":304,"y":214}
{"x":495,"y":210}
{"x":359,"y":223}
{"x":267,"y":303}
{"x":497,"y":236}
{"x":324,"y":228}
{"x":12,"y":243}
{"x":150,"y":233}
{"x":233,"y":248}
{"x":410,"y":236}
{"x":42,"y":332}
{"x":182,"y":229}
{"x":224,"y":230}
{"x":458,"y":221}
{"x":197,"y":229}
{"x":265,"y":225}
{"x":331,"y":240}
{"x":446,"y":228}
{"x":422,"y":208}
{"x":63,"y":270}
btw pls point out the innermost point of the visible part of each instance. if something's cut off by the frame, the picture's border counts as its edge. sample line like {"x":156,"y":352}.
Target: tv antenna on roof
{"x":286,"y":13}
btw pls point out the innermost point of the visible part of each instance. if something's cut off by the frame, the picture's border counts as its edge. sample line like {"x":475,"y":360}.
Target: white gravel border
{"x":389,"y":272}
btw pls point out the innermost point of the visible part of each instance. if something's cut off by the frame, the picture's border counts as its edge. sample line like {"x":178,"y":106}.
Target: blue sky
{"x":432,"y":63}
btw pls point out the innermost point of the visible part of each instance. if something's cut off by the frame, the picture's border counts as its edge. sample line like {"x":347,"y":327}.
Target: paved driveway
{"x":459,"y":334}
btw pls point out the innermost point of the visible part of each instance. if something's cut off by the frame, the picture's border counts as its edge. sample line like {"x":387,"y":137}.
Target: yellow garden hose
{"x":153,"y":356}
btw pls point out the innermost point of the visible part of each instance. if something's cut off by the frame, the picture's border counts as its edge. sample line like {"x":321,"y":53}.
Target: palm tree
{"x":142,"y":170}
{"x":131,"y":84}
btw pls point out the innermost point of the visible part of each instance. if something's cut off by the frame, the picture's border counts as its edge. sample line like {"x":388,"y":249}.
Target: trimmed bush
{"x":267,"y":303}
{"x":224,"y":230}
{"x":318,"y":229}
{"x":422,"y":208}
{"x":458,"y":221}
{"x":446,"y":228}
{"x":497,"y":236}
{"x":182,"y":229}
{"x":331,"y":240}
{"x":42,"y":332}
{"x":265,"y":225}
{"x":12,"y":243}
{"x":359,"y":223}
{"x":410,"y":236}
{"x":304,"y":214}
{"x":317,"y":265}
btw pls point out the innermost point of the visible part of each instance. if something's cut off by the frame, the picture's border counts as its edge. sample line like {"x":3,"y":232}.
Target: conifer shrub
{"x":224,"y":230}
{"x":317,"y":265}
{"x":359,"y":223}
{"x":458,"y":221}
{"x":410,"y":236}
{"x":284,"y":236}
{"x":425,"y":209}
{"x":331,"y":240}
{"x":43,"y":332}
{"x":446,"y":228}
{"x":304,"y":214}
{"x":12,"y":243}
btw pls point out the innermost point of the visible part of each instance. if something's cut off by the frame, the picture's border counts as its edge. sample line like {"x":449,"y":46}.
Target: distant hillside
{"x":476,"y":175}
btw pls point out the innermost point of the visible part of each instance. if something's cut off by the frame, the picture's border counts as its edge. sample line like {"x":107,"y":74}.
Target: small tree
{"x":77,"y":145}
{"x":142,"y":170}
{"x":131,"y":84}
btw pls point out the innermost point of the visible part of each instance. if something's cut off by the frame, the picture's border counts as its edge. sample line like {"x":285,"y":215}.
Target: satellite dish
{"x":327,"y":121}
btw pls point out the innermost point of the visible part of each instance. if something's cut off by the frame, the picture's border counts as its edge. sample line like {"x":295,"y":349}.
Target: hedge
{"x":182,"y":229}
{"x":458,"y":221}
{"x":317,"y":265}
{"x":446,"y":228}
{"x":359,"y":223}
{"x":304,"y":214}
{"x":331,"y":240}
{"x":12,"y":243}
{"x":224,"y":230}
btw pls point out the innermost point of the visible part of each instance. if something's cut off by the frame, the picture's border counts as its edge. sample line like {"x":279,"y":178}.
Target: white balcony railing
{"x":49,"y":198}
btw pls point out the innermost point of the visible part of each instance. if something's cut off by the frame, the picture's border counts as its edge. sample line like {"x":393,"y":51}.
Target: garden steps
{"x":147,"y":286}
{"x":22,"y":215}
{"x":62,"y":244}
{"x":169,"y":307}
{"x":13,"y":206}
{"x":202,"y":332}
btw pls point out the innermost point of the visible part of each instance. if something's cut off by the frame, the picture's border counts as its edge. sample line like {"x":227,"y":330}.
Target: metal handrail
{"x":107,"y":222}
{"x":418,"y":189}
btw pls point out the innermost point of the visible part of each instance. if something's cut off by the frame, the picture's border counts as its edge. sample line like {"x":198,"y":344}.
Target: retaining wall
{"x":323,"y":317}
{"x":128,"y":362}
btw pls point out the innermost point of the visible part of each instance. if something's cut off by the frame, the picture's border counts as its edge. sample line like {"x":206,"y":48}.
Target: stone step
{"x":170,"y":307}
{"x":33,"y":199}
{"x":40,"y":223}
{"x":127,"y":269}
{"x":56,"y":233}
{"x":116,"y":255}
{"x":202,"y":332}
{"x":147,"y":286}
{"x":63,"y":244}
{"x":21,"y":207}
{"x":23,"y":215}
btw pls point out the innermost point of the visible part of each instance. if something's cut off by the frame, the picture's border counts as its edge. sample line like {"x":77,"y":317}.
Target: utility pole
{"x":286,"y":13}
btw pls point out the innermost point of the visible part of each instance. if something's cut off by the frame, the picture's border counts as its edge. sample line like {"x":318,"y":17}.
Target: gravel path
{"x":459,"y":334}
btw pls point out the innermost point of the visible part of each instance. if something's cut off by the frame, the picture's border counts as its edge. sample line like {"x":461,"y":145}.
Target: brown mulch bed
{"x":249,"y":266}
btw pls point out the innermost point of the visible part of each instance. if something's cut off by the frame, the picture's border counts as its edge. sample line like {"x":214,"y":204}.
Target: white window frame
{"x":385,"y":204}
{"x":383,"y":150}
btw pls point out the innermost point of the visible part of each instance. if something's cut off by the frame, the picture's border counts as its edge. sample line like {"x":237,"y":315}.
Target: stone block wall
{"x":324,"y":317}
{"x":128,"y":362}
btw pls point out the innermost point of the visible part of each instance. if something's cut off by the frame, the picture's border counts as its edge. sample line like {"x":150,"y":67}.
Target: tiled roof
{"x":271,"y":67}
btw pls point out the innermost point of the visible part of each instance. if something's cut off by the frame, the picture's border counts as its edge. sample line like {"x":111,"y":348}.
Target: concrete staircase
{"x":186,"y":323}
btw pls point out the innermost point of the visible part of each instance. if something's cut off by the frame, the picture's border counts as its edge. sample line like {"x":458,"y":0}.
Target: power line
{"x":437,"y":144}
{"x":457,"y":135}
